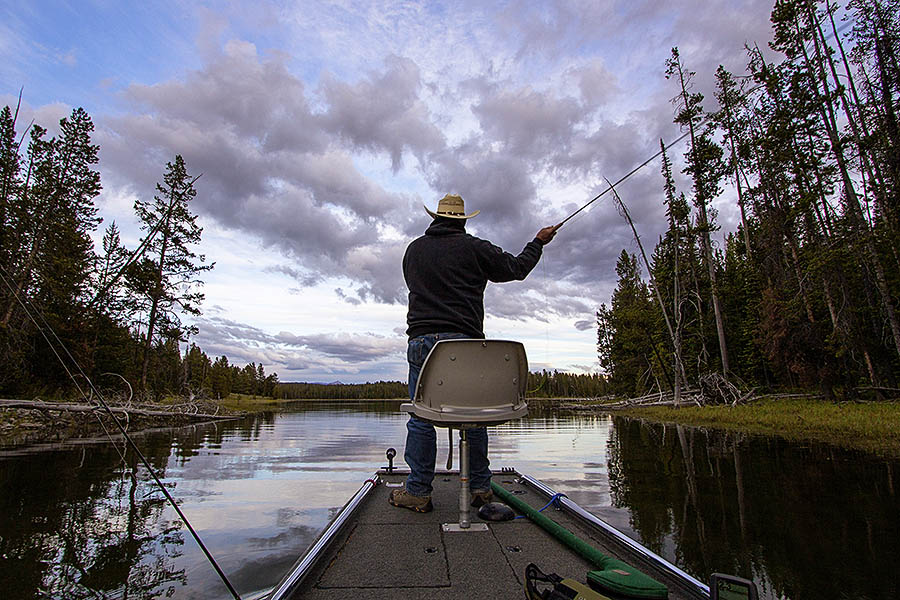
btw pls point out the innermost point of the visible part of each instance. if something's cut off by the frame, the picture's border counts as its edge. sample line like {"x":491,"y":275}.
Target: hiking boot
{"x":400,"y":497}
{"x":481,"y":497}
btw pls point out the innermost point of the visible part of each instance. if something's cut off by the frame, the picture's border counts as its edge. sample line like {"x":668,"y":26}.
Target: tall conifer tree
{"x":170,"y":281}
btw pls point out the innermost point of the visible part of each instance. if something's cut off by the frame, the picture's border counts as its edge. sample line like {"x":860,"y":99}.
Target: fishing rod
{"x":122,"y":430}
{"x":623,"y":178}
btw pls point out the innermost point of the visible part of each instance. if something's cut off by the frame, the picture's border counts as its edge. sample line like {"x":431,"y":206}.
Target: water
{"x":803,"y":521}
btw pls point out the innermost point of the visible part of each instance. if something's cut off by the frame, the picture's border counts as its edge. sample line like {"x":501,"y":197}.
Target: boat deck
{"x":387,"y":552}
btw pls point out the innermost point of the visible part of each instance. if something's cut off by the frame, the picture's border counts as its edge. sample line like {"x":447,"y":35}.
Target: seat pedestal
{"x":465,"y":523}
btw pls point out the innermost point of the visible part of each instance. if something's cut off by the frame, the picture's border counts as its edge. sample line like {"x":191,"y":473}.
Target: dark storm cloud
{"x":585,"y":325}
{"x":383,"y":112}
{"x":529,"y":124}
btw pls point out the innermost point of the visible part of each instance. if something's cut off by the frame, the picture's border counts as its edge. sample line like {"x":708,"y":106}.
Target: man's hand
{"x":546,"y":234}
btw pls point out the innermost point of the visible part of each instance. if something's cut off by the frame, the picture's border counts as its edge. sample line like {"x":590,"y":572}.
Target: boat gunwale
{"x":593,"y":520}
{"x":308,"y":559}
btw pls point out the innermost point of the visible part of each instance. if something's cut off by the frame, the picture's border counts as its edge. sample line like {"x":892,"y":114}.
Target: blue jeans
{"x":421,"y":440}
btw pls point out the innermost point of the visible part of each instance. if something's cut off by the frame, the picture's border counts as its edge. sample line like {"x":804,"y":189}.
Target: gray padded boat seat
{"x":471,"y":382}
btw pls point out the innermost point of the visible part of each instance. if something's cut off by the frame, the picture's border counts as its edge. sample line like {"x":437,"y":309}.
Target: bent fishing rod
{"x":46,"y":328}
{"x":621,"y":179}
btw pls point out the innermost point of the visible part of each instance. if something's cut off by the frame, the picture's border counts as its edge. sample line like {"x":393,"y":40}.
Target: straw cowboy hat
{"x":452,"y":207}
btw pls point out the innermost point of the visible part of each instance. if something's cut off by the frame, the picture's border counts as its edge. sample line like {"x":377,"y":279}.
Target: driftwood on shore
{"x":181,"y":410}
{"x":689,"y":397}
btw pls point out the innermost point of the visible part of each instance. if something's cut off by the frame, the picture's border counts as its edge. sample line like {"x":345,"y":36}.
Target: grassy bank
{"x":248,"y":403}
{"x":871,"y":426}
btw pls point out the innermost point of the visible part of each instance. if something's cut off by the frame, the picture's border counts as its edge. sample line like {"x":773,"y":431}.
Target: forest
{"x":805,"y":293}
{"x":543,"y":384}
{"x":72,"y":315}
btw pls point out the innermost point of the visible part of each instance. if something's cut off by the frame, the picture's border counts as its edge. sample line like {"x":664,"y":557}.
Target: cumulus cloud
{"x":273,"y":168}
{"x":348,"y":347}
{"x":596,"y":83}
{"x":529,"y":124}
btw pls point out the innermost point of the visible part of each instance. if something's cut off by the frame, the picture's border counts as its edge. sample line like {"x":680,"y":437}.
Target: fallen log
{"x":65,"y":406}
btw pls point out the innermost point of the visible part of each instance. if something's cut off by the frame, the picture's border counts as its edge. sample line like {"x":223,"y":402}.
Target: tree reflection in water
{"x":807,"y":521}
{"x":65,"y":535}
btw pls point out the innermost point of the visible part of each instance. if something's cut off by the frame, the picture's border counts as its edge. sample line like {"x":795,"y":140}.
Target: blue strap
{"x":554,"y":499}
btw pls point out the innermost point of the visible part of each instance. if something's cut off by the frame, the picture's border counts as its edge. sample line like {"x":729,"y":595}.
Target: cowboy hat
{"x":452,"y":207}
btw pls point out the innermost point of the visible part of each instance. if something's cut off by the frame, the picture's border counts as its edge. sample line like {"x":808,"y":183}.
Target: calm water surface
{"x":805,"y":522}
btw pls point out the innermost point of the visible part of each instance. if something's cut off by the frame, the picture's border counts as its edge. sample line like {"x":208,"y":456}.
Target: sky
{"x":320,"y":129}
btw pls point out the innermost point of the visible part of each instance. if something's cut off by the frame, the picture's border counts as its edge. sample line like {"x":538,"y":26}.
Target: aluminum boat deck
{"x":373,"y":550}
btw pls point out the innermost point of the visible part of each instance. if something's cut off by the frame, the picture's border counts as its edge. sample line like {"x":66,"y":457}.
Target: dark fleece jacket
{"x":446,"y":271}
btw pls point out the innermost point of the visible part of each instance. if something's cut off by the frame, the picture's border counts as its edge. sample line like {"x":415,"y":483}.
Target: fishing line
{"x":115,"y":420}
{"x":547,"y":316}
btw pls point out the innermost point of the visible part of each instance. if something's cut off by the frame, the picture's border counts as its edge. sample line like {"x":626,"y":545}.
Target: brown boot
{"x":481,"y":497}
{"x":400,"y":497}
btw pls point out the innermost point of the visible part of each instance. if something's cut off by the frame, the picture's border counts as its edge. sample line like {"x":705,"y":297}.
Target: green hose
{"x":612,"y":574}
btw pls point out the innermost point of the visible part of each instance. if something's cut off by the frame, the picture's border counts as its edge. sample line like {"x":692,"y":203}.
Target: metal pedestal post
{"x":463,"y":479}
{"x":465,"y":523}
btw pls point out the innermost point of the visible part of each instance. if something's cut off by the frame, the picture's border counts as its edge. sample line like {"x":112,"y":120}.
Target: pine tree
{"x":10,"y":170}
{"x":110,"y":296}
{"x":734,"y":129}
{"x":704,"y":165}
{"x":629,"y":327}
{"x":170,"y":277}
{"x":670,"y":259}
{"x":197,"y":371}
{"x":220,"y":378}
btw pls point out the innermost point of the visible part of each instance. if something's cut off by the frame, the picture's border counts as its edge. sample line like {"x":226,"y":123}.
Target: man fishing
{"x":446,"y":271}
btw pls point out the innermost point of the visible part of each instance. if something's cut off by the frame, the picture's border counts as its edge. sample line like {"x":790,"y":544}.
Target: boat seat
{"x":466,"y":383}
{"x":471,"y":383}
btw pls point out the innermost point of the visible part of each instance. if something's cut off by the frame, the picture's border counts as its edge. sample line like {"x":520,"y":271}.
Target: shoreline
{"x":24,"y":424}
{"x":33,"y":423}
{"x":872,"y":427}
